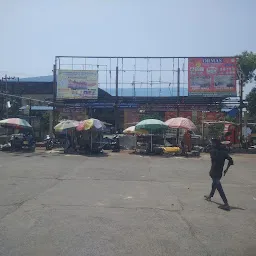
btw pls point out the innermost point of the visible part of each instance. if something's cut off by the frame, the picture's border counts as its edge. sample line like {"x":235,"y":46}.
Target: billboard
{"x":77,"y":84}
{"x":212,"y":76}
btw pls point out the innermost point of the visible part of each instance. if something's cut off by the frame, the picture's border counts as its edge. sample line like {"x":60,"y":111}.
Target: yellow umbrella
{"x":131,"y":130}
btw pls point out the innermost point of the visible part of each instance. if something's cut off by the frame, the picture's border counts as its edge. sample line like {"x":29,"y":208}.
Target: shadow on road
{"x":231,"y":207}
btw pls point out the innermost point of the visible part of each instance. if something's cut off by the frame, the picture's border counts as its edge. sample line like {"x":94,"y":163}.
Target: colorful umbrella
{"x":181,"y":122}
{"x":90,"y":124}
{"x":66,"y":124}
{"x":131,"y":130}
{"x":15,"y":123}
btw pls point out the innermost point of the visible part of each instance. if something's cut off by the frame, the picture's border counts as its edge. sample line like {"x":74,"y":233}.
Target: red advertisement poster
{"x":212,"y":76}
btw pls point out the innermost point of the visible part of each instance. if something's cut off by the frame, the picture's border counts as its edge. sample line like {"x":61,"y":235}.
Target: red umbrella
{"x":181,"y":122}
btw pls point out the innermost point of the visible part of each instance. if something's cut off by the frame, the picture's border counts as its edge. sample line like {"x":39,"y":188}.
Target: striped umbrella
{"x":15,"y":123}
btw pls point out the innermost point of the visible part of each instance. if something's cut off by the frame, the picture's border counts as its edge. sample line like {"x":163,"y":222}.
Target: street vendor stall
{"x":154,"y":127}
{"x":188,"y":126}
{"x":65,"y":131}
{"x":22,"y":136}
{"x":91,"y":134}
{"x":131,"y":131}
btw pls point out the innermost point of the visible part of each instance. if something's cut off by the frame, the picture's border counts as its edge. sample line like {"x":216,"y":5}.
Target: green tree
{"x":44,"y":119}
{"x":216,"y":130}
{"x":151,"y":116}
{"x":231,"y":119}
{"x":247,"y":63}
{"x":251,"y":98}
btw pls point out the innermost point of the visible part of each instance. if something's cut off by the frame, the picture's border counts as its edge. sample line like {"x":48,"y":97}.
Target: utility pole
{"x":53,"y":116}
{"x":6,"y":78}
{"x":30,"y":106}
{"x":116,"y":102}
{"x":178,"y":104}
{"x":178,"y":93}
{"x":241,"y":106}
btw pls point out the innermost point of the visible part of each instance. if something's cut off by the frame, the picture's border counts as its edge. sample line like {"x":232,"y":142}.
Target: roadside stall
{"x":155,"y":138}
{"x":144,"y":142}
{"x":186,"y":141}
{"x":135,"y":133}
{"x":65,"y":133}
{"x":90,"y":135}
{"x":22,"y":137}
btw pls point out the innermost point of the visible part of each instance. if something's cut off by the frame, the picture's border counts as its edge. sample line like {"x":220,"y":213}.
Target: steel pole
{"x":241,"y":110}
{"x":54,"y":116}
{"x":116,"y":103}
{"x":178,"y":104}
{"x":6,"y":107}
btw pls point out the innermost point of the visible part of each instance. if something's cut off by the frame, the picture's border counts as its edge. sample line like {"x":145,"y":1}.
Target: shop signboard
{"x":77,"y":84}
{"x":212,"y":77}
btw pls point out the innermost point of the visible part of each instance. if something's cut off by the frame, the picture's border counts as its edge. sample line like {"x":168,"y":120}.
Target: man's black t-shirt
{"x":218,"y":157}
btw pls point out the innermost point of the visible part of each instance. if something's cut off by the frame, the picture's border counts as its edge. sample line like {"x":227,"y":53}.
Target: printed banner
{"x":77,"y":84}
{"x":212,"y":76}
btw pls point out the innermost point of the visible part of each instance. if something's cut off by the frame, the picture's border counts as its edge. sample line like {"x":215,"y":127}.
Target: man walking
{"x":218,"y":157}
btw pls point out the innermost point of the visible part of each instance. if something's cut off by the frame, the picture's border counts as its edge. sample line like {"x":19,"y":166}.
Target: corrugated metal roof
{"x":38,"y":108}
{"x":37,"y":79}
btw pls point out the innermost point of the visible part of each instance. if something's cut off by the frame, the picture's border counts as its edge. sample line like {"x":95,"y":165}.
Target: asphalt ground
{"x":123,"y":204}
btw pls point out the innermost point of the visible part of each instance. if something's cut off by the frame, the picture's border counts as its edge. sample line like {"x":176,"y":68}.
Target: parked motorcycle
{"x":51,"y":142}
{"x":115,"y":144}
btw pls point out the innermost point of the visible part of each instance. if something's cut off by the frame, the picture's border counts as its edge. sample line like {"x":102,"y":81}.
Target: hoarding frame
{"x":77,"y":84}
{"x":212,"y":77}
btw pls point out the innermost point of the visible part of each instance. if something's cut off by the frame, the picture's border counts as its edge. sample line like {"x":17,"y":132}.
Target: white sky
{"x":33,"y":32}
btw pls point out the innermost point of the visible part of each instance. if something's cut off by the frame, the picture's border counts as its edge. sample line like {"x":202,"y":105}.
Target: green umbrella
{"x":151,"y":125}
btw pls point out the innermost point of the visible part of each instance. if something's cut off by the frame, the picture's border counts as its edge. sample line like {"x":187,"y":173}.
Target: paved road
{"x":123,"y":204}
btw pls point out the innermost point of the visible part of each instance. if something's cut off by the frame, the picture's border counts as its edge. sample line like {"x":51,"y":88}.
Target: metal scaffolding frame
{"x":136,"y":77}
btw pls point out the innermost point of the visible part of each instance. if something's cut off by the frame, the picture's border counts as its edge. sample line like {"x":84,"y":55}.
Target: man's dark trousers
{"x":216,"y":184}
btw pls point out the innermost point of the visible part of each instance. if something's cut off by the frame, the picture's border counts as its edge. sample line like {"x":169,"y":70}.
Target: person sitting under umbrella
{"x":187,"y":140}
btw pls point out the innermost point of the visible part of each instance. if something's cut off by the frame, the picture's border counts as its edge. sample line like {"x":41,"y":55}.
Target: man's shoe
{"x":225,"y":207}
{"x":207,"y":198}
